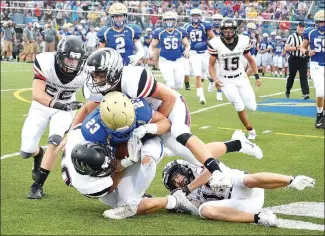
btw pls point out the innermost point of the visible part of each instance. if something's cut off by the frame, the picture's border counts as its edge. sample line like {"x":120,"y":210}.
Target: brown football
{"x":121,"y":151}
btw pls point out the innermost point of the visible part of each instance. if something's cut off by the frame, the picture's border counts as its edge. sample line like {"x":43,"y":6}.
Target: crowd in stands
{"x":91,"y":15}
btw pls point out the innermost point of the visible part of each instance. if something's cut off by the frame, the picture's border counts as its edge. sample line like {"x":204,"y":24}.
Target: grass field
{"x":291,"y":146}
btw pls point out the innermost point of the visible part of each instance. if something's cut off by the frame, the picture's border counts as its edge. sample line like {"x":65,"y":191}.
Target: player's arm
{"x":101,"y":37}
{"x":159,"y":124}
{"x":167,"y":96}
{"x":88,"y":107}
{"x":154,"y":42}
{"x":212,"y":65}
{"x":210,"y":34}
{"x":187,"y":46}
{"x":140,"y":52}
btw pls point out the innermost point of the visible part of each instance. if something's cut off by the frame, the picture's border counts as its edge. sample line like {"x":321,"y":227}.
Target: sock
{"x":43,"y":176}
{"x":233,"y":146}
{"x":40,"y":153}
{"x":210,"y":79}
{"x":219,"y":91}
{"x":144,"y":177}
{"x":199,"y":92}
{"x":211,"y":164}
{"x":256,"y":218}
{"x":171,"y":202}
{"x":187,"y":84}
{"x":319,"y":109}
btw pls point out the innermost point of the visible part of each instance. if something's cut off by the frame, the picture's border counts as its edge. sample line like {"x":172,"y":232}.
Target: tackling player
{"x":232,"y":79}
{"x":57,"y":78}
{"x":315,"y":40}
{"x":171,"y":40}
{"x":120,"y":36}
{"x":198,"y":33}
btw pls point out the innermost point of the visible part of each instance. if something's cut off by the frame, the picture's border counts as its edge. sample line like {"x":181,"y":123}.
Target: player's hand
{"x":139,"y":132}
{"x":258,"y":83}
{"x":218,"y":83}
{"x":61,"y":146}
{"x":134,"y":59}
{"x":219,"y":180}
{"x":311,"y":53}
{"x":134,"y":147}
{"x":186,"y":53}
{"x":68,"y":106}
{"x":152,"y":53}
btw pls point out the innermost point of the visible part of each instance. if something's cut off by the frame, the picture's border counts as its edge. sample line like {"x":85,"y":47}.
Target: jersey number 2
{"x":120,"y":44}
{"x":234,"y":63}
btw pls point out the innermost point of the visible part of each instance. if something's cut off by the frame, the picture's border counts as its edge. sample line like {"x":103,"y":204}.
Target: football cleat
{"x":251,"y":134}
{"x":202,"y":100}
{"x":183,"y":204}
{"x":122,"y":212}
{"x":305,"y":97}
{"x":301,"y":182}
{"x":287,"y":94}
{"x":36,"y":191}
{"x":210,"y":87}
{"x":219,"y":96}
{"x":247,"y":146}
{"x":268,"y":218}
{"x":320,"y":122}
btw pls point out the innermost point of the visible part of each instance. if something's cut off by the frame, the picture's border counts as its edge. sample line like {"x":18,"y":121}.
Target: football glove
{"x":219,"y":180}
{"x":134,"y":147}
{"x":134,"y":59}
{"x":68,"y":106}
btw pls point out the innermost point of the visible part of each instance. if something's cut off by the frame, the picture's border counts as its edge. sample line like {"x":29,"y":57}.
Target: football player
{"x":272,"y":41}
{"x":112,"y":125}
{"x":278,"y":53}
{"x":237,"y":143}
{"x":112,"y":76}
{"x":146,"y":43}
{"x":120,"y":36}
{"x":315,"y":40}
{"x":216,"y":23}
{"x":262,"y":56}
{"x":171,"y":40}
{"x":198,"y":33}
{"x":57,"y":78}
{"x":254,"y":38}
{"x":233,"y":79}
{"x":241,"y":203}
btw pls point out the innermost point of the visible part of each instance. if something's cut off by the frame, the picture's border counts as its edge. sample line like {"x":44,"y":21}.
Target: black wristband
{"x":60,"y":106}
{"x":186,"y":190}
{"x":257,"y":76}
{"x":256,"y":218}
{"x":307,"y":53}
{"x":51,"y":102}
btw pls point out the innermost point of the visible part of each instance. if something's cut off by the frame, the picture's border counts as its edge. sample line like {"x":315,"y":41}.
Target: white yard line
{"x":275,"y":94}
{"x":13,"y":154}
{"x":8,"y":90}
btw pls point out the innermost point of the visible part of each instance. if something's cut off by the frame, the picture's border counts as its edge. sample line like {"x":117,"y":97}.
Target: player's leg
{"x":33,"y":129}
{"x":59,"y":124}
{"x":167,"y":72}
{"x":275,"y":66}
{"x":186,"y":65}
{"x":196,"y":65}
{"x":178,"y":73}
{"x":293,"y":68}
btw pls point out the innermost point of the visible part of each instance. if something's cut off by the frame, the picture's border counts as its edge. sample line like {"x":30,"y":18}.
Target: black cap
{"x":302,"y":24}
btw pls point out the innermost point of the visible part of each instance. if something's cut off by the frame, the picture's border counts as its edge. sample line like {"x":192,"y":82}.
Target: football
{"x":121,"y":151}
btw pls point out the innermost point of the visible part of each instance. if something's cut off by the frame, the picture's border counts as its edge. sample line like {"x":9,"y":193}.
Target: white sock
{"x":319,"y":109}
{"x":145,"y":176}
{"x":171,"y":202}
{"x":199,"y":92}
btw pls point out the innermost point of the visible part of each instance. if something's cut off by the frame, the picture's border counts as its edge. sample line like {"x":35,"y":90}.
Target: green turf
{"x":63,"y":211}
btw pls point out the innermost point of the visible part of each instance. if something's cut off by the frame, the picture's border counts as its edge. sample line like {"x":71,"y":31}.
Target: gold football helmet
{"x":117,"y":112}
{"x":116,"y":10}
{"x":319,"y":16}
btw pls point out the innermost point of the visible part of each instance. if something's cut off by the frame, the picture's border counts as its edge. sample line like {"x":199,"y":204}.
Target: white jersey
{"x":44,"y":69}
{"x":204,"y":193}
{"x":229,"y":55}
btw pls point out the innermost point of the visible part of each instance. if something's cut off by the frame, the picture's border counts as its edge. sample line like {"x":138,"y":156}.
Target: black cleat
{"x":36,"y":191}
{"x":320,"y":122}
{"x":305,"y":97}
{"x":187,"y":86}
{"x":37,"y":164}
{"x":287,"y":94}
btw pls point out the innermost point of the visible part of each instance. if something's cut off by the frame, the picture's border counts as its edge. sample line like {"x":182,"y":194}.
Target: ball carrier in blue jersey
{"x":171,"y":40}
{"x":120,"y":36}
{"x":198,"y":33}
{"x":216,"y":23}
{"x":315,"y":40}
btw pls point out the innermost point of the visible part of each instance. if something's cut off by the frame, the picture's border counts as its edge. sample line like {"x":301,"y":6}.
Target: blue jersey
{"x":316,"y":43}
{"x":216,"y":33}
{"x":277,"y":47}
{"x":81,"y":36}
{"x":64,"y":33}
{"x":198,"y":36}
{"x":146,"y":37}
{"x":94,"y":130}
{"x":171,"y":42}
{"x":121,"y":41}
{"x":253,"y":42}
{"x":263,"y":44}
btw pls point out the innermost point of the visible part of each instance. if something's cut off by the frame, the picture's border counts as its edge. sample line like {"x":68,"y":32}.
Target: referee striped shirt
{"x":295,"y":40}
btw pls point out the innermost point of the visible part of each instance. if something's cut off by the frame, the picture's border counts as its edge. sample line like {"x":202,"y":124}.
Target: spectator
{"x":309,"y":21}
{"x":75,"y":17}
{"x":9,"y":36}
{"x":302,"y":6}
{"x":49,"y":37}
{"x":28,"y":40}
{"x":153,"y":20}
{"x":37,"y":11}
{"x":59,"y":14}
{"x":91,"y":40}
{"x":6,"y":14}
{"x":48,"y":13}
{"x":284,"y":27}
{"x":181,"y":9}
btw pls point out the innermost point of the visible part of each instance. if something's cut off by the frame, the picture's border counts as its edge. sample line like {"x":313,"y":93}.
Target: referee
{"x":297,"y":61}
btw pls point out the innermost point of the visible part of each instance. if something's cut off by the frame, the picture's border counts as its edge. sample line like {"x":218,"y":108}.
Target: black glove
{"x":68,"y":106}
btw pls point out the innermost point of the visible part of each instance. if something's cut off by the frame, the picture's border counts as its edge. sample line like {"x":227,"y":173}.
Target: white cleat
{"x":121,"y":212}
{"x":252,"y":134}
{"x":301,"y":182}
{"x":268,"y":218}
{"x":202,"y":100}
{"x":183,"y":204}
{"x":247,"y":146}
{"x":219,"y":96}
{"x":210,"y":87}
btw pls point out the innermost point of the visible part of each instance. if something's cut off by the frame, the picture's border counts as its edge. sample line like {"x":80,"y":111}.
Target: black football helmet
{"x":228,"y":24}
{"x":94,"y":159}
{"x":71,"y":55}
{"x":104,"y":70}
{"x":172,"y":169}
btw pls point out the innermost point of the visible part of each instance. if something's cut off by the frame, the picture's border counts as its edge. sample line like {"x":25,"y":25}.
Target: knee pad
{"x":239,"y":106}
{"x":178,"y":129}
{"x":54,"y":139}
{"x":183,"y":138}
{"x":251,"y":107}
{"x":26,"y":155}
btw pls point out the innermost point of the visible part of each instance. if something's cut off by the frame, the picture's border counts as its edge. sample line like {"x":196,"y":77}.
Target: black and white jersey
{"x":44,"y":69}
